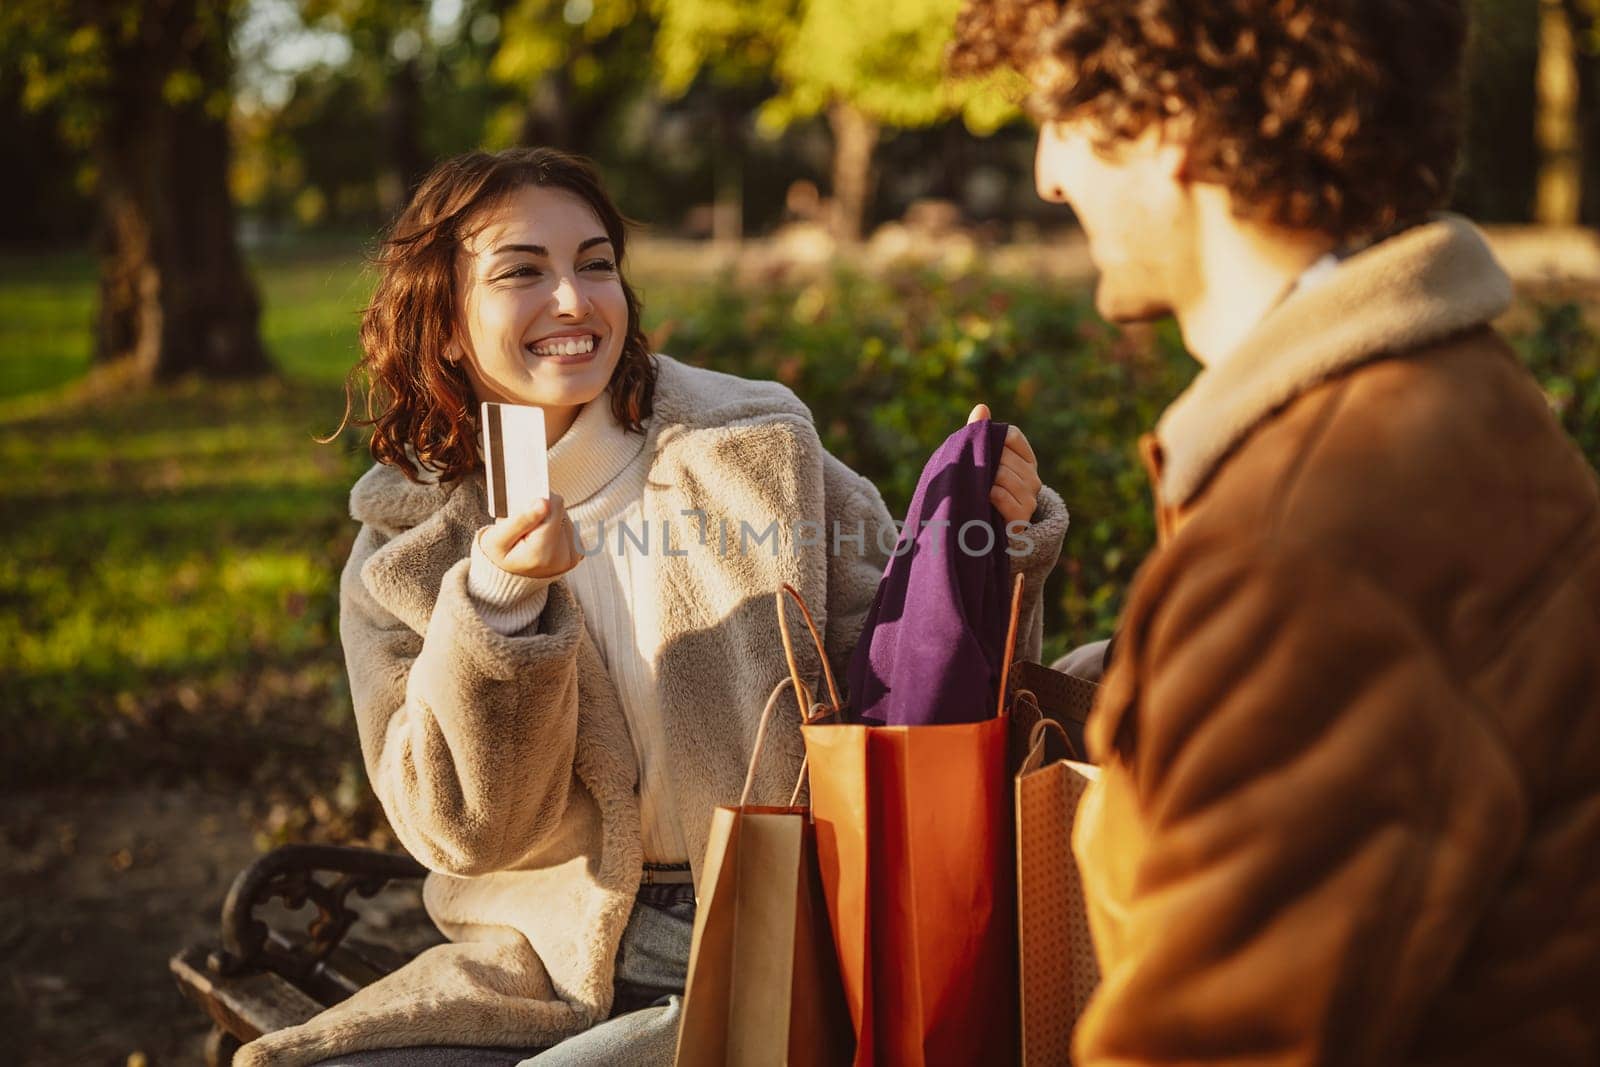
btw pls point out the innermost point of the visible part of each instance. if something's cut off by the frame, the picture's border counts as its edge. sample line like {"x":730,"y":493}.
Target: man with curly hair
{"x":1349,"y":809}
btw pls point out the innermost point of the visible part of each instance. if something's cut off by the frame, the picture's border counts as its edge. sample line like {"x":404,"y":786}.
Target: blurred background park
{"x":190,"y":190}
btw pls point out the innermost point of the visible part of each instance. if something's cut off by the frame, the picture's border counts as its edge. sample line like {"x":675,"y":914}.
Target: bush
{"x":891,"y":366}
{"x":1563,"y":352}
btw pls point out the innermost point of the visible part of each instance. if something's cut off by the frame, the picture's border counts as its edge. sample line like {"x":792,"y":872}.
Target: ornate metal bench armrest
{"x":287,"y":873}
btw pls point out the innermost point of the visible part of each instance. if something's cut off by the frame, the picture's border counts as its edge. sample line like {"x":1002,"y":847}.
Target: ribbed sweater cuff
{"x":509,"y":603}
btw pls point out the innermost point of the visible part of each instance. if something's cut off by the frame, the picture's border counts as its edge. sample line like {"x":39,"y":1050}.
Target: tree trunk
{"x":1560,"y":167}
{"x":1583,"y":18}
{"x":127,"y":277}
{"x":547,"y":121}
{"x":727,"y":166}
{"x":175,"y":295}
{"x":855,"y":136}
{"x":402,"y":131}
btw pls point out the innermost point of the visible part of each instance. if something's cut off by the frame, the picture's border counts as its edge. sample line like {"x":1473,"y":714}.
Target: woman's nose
{"x":571,"y":303}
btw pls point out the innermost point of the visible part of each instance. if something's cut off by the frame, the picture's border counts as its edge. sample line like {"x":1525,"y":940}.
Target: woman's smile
{"x":566,"y":348}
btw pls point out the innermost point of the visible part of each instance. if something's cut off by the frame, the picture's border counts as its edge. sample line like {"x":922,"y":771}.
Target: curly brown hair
{"x":419,"y":404}
{"x":1338,"y":116}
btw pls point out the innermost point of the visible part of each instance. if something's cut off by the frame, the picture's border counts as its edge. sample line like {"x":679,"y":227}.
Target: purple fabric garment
{"x":931,"y":649}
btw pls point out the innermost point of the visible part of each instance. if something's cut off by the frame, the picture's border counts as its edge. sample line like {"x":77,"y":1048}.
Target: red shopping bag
{"x":914,"y":840}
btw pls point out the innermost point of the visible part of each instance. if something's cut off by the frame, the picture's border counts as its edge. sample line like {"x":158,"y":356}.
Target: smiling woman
{"x":498,"y":261}
{"x":549,"y":725}
{"x":544,"y":308}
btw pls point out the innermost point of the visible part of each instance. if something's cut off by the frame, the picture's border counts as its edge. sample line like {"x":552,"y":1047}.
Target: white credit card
{"x":516,"y":468}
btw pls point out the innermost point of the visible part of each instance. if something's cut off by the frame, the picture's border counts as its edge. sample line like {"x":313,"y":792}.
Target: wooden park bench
{"x":264,"y":974}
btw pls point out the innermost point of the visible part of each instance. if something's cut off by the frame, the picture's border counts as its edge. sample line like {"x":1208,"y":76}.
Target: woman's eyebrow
{"x":541,"y":250}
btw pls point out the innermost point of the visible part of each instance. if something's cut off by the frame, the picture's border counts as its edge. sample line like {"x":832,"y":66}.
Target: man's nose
{"x":1047,"y":167}
{"x":1048,"y":170}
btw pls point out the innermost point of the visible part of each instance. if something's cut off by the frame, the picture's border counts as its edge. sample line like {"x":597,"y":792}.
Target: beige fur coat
{"x":504,"y":762}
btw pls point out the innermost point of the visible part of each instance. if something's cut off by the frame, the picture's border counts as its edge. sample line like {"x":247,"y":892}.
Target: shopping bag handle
{"x":827,"y":671}
{"x":761,"y":738}
{"x":1011,"y":642}
{"x":794,"y":667}
{"x":1036,"y":741}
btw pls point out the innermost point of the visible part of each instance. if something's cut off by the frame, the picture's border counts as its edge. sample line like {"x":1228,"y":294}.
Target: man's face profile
{"x":1132,"y":204}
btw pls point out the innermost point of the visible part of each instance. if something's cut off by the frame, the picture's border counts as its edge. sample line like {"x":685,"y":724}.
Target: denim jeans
{"x":652,"y":966}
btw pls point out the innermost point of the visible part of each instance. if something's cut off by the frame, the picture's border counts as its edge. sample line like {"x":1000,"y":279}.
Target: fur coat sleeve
{"x":447,"y":716}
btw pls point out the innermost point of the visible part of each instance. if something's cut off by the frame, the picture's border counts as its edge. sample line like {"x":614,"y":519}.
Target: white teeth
{"x":567,"y":347}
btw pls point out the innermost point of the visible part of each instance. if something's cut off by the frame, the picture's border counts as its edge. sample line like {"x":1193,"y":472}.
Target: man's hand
{"x":536,"y":544}
{"x":1016,"y":485}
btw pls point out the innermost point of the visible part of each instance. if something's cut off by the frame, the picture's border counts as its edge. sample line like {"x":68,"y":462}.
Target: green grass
{"x":311,"y":308}
{"x":169,"y":558}
{"x":46,"y":321}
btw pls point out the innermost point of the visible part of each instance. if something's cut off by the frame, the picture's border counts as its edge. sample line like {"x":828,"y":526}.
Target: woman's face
{"x":543,"y":315}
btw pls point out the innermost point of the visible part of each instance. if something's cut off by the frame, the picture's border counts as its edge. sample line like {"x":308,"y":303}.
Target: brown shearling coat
{"x":1350,"y":809}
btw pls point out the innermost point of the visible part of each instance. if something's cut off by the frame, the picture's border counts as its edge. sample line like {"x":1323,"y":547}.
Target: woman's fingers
{"x":1017,"y":441}
{"x":1025,"y":469}
{"x":558,"y":509}
{"x":1015,"y":493}
{"x":537,"y":543}
{"x":1022,"y":495}
{"x":1019,"y":483}
{"x":504,"y":533}
{"x":1011,"y":509}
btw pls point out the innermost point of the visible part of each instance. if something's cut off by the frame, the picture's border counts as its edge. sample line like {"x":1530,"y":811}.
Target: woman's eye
{"x":600,"y":265}
{"x":521,"y":272}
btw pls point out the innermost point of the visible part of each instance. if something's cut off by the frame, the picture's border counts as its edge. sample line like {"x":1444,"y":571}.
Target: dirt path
{"x":97,"y":889}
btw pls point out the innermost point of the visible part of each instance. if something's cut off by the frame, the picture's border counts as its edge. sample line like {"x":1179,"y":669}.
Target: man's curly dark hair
{"x":1340,"y":116}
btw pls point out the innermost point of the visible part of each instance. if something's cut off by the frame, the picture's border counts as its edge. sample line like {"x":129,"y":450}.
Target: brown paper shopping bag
{"x":1058,"y":968}
{"x":763,"y":988}
{"x":914,"y":831}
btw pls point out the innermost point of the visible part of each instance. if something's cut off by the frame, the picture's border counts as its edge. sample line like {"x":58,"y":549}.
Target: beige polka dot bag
{"x":1057,"y":957}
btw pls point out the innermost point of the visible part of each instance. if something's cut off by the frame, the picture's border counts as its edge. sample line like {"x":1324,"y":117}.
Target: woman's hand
{"x":536,"y":544}
{"x":1016,"y":485}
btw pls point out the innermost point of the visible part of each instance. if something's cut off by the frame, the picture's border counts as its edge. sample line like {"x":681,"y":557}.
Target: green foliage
{"x":1563,"y":352}
{"x":576,"y":64}
{"x":74,"y":56}
{"x":63,"y":64}
{"x":537,"y":36}
{"x":734,"y":42}
{"x":885,"y":59}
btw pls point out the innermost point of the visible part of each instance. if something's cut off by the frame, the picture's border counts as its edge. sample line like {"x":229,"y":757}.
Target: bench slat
{"x":246,"y":1005}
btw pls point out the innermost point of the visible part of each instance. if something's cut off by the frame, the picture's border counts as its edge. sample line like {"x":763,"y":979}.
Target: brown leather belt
{"x":667,"y":874}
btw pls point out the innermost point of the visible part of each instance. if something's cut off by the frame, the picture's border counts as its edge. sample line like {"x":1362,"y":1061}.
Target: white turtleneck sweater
{"x":599,"y":470}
